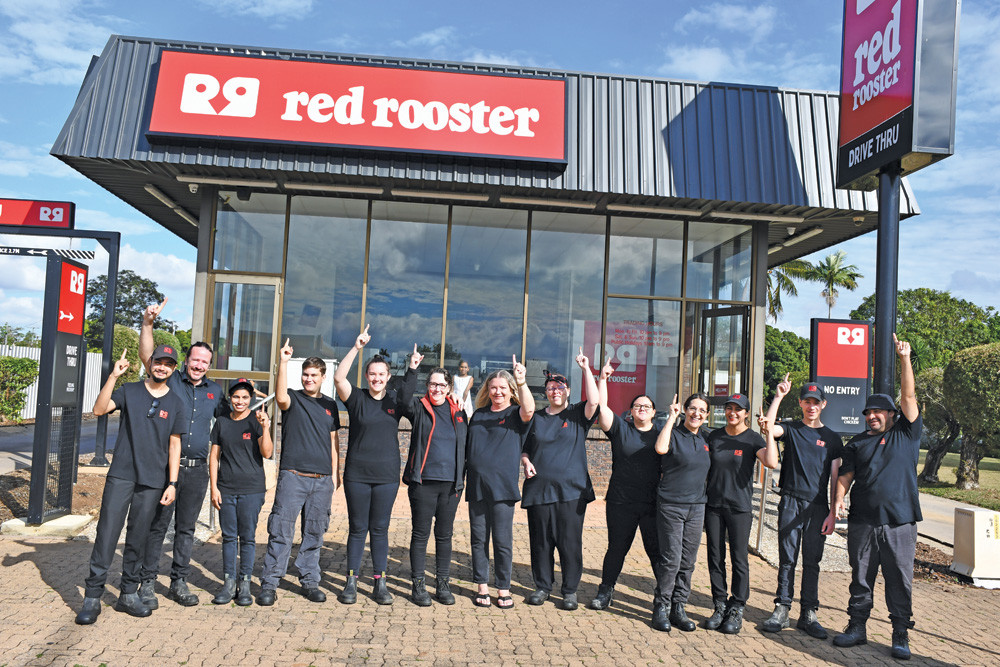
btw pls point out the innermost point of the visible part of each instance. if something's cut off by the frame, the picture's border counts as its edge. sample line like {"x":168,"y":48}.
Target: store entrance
{"x":722,"y":358}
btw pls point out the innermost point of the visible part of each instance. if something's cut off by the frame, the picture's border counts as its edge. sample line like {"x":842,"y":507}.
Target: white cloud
{"x":168,"y":271}
{"x":754,"y":22}
{"x":103,"y":221}
{"x":21,"y":311}
{"x":702,"y":63}
{"x":23,"y":161}
{"x":265,"y":9}
{"x":21,"y":273}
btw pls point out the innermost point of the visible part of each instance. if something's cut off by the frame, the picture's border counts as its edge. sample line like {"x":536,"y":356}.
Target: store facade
{"x":476,"y":211}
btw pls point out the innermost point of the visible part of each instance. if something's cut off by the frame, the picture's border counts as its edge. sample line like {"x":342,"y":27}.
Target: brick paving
{"x":41,"y":589}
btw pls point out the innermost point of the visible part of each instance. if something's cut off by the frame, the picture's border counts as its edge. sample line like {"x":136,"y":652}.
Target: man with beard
{"x":885,"y":509}
{"x":146,"y":459}
{"x":202,"y":400}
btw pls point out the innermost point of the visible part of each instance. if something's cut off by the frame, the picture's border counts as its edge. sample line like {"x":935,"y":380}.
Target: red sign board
{"x":72,"y":299}
{"x":334,"y":104}
{"x":28,"y":213}
{"x":841,"y":366}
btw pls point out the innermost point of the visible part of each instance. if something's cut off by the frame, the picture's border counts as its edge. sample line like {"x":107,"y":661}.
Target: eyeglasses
{"x":698,"y":411}
{"x":436,"y":385}
{"x":554,"y":387}
{"x":642,"y":406}
{"x":153,"y":407}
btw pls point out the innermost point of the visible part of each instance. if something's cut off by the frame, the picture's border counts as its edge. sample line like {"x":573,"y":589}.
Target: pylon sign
{"x":841,"y":364}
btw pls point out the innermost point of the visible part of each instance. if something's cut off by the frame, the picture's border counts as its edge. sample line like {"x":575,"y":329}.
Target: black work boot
{"x":419,"y":593}
{"x":603,"y":598}
{"x":733,"y":622}
{"x":443,"y":593}
{"x":181,"y":594}
{"x":715,"y":620}
{"x":900,"y":643}
{"x":89,"y":612}
{"x":147,"y":593}
{"x":132,"y":605}
{"x":350,"y":593}
{"x":778,"y":619}
{"x":266,"y":597}
{"x":537,"y":597}
{"x":854,"y":635}
{"x":679,"y":618}
{"x":380,"y":593}
{"x":228,"y":591}
{"x":809,"y":624}
{"x":661,"y":616}
{"x":243,"y":597}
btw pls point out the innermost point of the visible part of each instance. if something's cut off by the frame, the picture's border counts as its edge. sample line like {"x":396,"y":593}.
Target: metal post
{"x":111,"y":246}
{"x":887,"y":278}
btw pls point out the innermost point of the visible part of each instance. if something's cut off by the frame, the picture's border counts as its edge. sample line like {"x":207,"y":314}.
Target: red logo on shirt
{"x":820,"y":443}
{"x":329,"y":414}
{"x":163,"y":414}
{"x":883,"y":441}
{"x":738,"y":452}
{"x":246,"y":436}
{"x":565,"y":425}
{"x":502,"y":421}
{"x":706,"y":447}
{"x":391,"y":411}
{"x":458,"y":418}
{"x":211,"y":396}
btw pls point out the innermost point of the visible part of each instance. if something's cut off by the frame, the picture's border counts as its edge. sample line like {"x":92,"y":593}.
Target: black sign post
{"x":60,"y":383}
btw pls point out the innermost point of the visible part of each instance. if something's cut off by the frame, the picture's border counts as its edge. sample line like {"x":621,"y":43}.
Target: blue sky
{"x":46,"y":45}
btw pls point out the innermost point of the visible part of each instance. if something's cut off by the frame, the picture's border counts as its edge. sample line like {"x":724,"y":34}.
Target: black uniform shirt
{"x":885,"y":474}
{"x":635,"y":465}
{"x":806,"y":460}
{"x":493,"y":454}
{"x":557,"y":447}
{"x":143,"y":444}
{"x":305,"y":433}
{"x":241,"y":466}
{"x":202,"y":403}
{"x":730,"y":479}
{"x":684,"y":469}
{"x":373,"y":443}
{"x":440,"y":463}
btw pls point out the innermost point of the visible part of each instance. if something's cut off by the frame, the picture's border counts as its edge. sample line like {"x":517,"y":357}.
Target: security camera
{"x":193,"y":188}
{"x":859,"y":220}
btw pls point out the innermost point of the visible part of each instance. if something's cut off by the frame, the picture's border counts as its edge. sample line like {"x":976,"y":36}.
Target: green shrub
{"x":126,"y":339}
{"x":16,"y":375}
{"x":164,"y":337}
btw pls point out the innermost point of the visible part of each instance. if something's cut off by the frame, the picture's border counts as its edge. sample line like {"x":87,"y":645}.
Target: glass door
{"x":722,"y":353}
{"x":244,"y":328}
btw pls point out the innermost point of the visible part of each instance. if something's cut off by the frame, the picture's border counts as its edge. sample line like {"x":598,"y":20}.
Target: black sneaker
{"x":537,"y":598}
{"x":570,"y":602}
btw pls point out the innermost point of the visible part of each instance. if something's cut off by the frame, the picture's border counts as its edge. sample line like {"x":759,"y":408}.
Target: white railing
{"x":91,"y":384}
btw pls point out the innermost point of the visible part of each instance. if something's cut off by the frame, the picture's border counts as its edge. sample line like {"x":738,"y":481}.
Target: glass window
{"x":719,"y":261}
{"x":321,"y":312}
{"x":243,"y":327}
{"x":566,"y":290}
{"x":642,"y":341}
{"x":249,"y":235}
{"x":646,"y":256}
{"x":485,"y":289}
{"x":715,"y":353}
{"x":406,"y":282}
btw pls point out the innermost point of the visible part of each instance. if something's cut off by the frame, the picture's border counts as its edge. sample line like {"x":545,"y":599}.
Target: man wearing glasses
{"x":142,"y":477}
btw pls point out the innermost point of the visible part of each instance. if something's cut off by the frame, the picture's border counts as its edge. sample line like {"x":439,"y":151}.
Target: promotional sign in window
{"x":639,"y":351}
{"x":841,"y":363}
{"x":336,"y":104}
{"x":29,"y":213}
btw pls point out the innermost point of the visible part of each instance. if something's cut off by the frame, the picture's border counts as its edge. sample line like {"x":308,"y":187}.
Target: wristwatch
{"x":174,"y":484}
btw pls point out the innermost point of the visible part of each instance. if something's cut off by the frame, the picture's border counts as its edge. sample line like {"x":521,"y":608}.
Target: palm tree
{"x":834,"y":273}
{"x":781,"y":280}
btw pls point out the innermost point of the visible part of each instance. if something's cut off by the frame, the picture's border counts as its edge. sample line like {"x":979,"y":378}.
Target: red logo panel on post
{"x":842,"y":350}
{"x":72,"y":299}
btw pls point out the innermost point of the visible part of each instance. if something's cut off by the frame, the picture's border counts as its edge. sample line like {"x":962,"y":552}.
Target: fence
{"x":91,"y":384}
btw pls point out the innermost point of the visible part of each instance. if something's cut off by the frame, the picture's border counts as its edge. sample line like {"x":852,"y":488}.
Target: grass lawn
{"x":988,"y":493}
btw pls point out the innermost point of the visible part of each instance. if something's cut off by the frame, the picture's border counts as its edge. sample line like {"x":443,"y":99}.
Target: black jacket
{"x":421,"y":416}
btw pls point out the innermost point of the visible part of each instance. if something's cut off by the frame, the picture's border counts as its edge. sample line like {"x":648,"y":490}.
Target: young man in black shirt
{"x":885,"y":508}
{"x":310,"y":461}
{"x":809,"y":466}
{"x":202,"y":400}
{"x":146,"y":459}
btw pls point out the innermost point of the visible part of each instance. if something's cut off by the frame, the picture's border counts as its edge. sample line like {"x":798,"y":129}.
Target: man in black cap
{"x":146,"y":459}
{"x":885,"y":508}
{"x":202,"y":400}
{"x":808,"y":468}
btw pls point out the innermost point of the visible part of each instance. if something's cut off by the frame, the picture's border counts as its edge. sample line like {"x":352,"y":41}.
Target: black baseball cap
{"x":739,"y":400}
{"x":242,"y":383}
{"x":879,"y":402}
{"x":164,"y":352}
{"x":812,"y":390}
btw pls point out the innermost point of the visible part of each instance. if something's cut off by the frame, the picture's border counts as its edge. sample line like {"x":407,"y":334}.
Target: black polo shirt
{"x":684,"y":469}
{"x":143,"y":444}
{"x":806,"y":459}
{"x":373,"y":439}
{"x":202,"y":403}
{"x":730,"y":479}
{"x":557,"y":447}
{"x":241,"y":465}
{"x":305,"y":433}
{"x":885,"y":474}
{"x":493,"y":454}
{"x":635,"y":465}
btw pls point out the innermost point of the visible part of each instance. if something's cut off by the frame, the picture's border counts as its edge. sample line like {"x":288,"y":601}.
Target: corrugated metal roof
{"x":637,"y":141}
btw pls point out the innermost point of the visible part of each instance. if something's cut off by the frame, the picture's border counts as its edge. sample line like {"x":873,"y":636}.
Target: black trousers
{"x":552,"y":527}
{"x":192,"y":484}
{"x":369,"y":509}
{"x":799,"y":524}
{"x":892,"y":548}
{"x":492,"y":520}
{"x":679,"y":528}
{"x":623,"y":519}
{"x":722,"y":524}
{"x":434,"y":502}
{"x":122,"y":498}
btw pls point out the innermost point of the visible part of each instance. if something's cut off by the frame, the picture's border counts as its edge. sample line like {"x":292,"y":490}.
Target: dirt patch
{"x":15,"y":488}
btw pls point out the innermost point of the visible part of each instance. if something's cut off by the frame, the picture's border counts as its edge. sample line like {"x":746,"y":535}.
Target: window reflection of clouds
{"x":635,"y":242}
{"x":719,"y":261}
{"x":248,"y":232}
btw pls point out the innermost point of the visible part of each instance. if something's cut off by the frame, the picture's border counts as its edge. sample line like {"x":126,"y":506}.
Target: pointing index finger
{"x":124,"y":352}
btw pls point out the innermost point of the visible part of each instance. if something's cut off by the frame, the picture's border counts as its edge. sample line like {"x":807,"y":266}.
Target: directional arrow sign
{"x":65,"y":316}
{"x":46,"y":252}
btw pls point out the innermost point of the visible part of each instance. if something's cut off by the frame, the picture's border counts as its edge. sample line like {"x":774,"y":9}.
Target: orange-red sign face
{"x":842,"y":350}
{"x":72,"y":299}
{"x":28,"y":213}
{"x":334,"y":104}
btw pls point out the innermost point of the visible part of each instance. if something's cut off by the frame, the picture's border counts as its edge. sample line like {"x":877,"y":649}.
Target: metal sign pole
{"x":886,"y":278}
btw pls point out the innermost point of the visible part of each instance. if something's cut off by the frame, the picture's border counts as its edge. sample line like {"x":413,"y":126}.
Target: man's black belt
{"x":191,"y":463}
